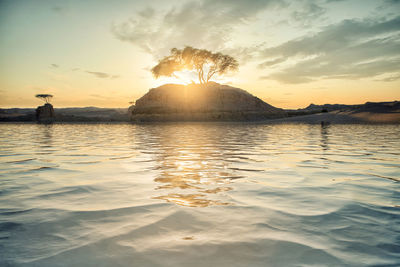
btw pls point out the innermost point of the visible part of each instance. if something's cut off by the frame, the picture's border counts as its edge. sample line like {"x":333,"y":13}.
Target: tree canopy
{"x":45,"y":97}
{"x":202,"y":61}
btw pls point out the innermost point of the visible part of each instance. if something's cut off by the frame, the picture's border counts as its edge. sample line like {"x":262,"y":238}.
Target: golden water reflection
{"x":193,"y":174}
{"x":191,"y":200}
{"x":193,"y":169}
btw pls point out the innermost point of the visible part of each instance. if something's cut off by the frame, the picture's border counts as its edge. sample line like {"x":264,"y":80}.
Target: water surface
{"x":192,"y":194}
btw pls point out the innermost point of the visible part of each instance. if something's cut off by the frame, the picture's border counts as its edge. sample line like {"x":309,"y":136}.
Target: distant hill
{"x":330,"y":107}
{"x":368,"y":105}
{"x":228,"y":103}
{"x":370,"y":112}
{"x":195,"y":102}
{"x":85,"y":114}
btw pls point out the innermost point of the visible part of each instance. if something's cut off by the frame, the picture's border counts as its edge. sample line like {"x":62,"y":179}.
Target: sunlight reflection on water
{"x":192,"y":169}
{"x":156,"y":194}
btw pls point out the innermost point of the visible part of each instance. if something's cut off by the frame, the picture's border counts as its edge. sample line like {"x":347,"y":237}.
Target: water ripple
{"x":193,"y":194}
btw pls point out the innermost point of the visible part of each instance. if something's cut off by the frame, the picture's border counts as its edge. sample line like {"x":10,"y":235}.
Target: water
{"x":194,"y":194}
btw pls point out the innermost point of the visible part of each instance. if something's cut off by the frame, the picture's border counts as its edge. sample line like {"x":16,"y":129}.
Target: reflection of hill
{"x":210,"y":102}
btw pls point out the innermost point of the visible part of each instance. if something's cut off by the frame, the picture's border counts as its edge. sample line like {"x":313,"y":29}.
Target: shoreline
{"x":304,"y":120}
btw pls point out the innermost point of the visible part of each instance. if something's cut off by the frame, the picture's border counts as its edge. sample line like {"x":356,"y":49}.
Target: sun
{"x":186,"y":77}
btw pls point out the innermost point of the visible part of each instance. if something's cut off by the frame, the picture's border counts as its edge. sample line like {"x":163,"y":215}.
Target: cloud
{"x":103,"y":75}
{"x":99,"y":96}
{"x":59,"y":9}
{"x":392,"y":2}
{"x":391,"y":78}
{"x":272,"y":62}
{"x":99,"y":74}
{"x":54,"y":66}
{"x":307,"y":13}
{"x":350,"y":49}
{"x":203,"y":24}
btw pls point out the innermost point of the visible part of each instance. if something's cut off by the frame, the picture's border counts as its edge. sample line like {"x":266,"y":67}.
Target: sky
{"x":290,"y":53}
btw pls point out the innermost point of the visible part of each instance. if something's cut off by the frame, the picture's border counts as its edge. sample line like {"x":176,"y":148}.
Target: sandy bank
{"x":344,"y":117}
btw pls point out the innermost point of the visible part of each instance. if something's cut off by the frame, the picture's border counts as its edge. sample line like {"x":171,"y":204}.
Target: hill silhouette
{"x":195,"y":102}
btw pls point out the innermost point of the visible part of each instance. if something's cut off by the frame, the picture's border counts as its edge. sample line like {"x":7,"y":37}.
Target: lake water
{"x":192,"y":194}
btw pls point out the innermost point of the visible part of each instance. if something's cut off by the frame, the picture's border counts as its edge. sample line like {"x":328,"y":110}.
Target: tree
{"x":204,"y":62}
{"x":45,"y":97}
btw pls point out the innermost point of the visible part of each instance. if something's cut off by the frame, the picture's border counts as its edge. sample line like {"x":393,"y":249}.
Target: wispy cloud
{"x":99,"y":74}
{"x":206,"y":24}
{"x":390,"y":78}
{"x":99,"y":96}
{"x":390,"y":3}
{"x":348,"y":50}
{"x":59,"y":9}
{"x":103,"y":75}
{"x":307,"y":13}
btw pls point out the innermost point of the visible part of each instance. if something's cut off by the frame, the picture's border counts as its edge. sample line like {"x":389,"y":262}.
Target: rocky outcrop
{"x":211,"y":102}
{"x":130,"y":109}
{"x":45,"y":113}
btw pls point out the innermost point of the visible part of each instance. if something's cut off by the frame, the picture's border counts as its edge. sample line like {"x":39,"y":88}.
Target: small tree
{"x":45,"y":97}
{"x":204,"y":62}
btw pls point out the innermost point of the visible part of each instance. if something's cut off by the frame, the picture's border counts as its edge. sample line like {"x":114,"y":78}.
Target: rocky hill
{"x":210,"y":102}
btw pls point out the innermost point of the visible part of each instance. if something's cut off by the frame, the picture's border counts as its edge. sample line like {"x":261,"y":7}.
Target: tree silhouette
{"x":204,"y":62}
{"x":45,"y":97}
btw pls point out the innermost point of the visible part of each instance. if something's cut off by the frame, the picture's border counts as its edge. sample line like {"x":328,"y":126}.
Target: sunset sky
{"x":291,"y":53}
